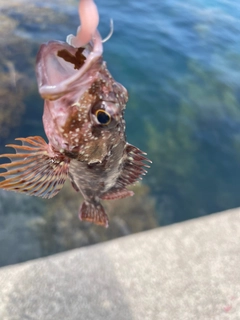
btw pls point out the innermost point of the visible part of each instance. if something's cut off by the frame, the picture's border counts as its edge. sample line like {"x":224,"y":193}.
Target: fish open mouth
{"x":62,"y":68}
{"x":76,"y":59}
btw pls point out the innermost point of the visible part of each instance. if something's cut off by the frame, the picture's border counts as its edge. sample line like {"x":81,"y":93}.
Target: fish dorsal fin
{"x":133,"y":167}
{"x":32,"y":170}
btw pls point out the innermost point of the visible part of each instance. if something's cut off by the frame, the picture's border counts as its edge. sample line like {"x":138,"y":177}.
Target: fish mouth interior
{"x":62,"y":68}
{"x":77,"y":59}
{"x":59,"y":61}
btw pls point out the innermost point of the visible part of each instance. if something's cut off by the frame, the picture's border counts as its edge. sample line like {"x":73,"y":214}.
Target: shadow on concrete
{"x":80,"y":284}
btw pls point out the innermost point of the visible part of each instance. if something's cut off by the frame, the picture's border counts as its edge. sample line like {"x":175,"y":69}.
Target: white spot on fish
{"x":77,"y":104}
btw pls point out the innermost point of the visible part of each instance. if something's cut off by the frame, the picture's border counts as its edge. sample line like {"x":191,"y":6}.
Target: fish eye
{"x":103,"y":117}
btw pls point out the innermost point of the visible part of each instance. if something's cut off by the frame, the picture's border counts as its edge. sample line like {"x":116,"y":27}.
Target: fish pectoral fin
{"x":32,"y":170}
{"x":134,"y":167}
{"x":93,"y":213}
{"x":116,"y":193}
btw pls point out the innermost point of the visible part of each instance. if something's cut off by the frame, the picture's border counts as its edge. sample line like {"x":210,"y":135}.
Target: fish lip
{"x":53,"y":92}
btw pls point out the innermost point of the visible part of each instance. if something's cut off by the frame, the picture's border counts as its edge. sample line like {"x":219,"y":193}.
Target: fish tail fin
{"x":93,"y":213}
{"x":34,"y":169}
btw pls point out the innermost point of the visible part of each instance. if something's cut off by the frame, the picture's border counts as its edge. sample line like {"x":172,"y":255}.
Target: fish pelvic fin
{"x":34,"y":169}
{"x":94,"y":213}
{"x":116,"y":193}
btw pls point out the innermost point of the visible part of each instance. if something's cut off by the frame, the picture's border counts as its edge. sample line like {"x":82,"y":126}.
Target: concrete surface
{"x":185,"y":271}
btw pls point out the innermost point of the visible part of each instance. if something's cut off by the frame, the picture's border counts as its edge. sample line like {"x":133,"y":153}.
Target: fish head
{"x":96,"y":123}
{"x":64,"y":74}
{"x":106,"y":125}
{"x":84,"y":105}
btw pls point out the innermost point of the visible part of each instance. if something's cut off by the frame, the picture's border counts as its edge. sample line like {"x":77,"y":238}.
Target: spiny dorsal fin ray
{"x":32,"y":170}
{"x":133,"y":166}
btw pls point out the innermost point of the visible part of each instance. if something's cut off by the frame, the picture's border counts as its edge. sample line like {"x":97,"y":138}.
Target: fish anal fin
{"x":115,"y":193}
{"x":134,"y":166}
{"x":94,"y":213}
{"x":35,"y":169}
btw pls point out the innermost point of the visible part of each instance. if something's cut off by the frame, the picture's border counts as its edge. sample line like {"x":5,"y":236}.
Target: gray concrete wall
{"x":189,"y":270}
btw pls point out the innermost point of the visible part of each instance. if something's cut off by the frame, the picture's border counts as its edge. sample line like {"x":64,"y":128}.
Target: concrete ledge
{"x":185,"y":271}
